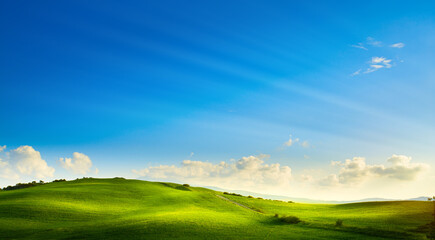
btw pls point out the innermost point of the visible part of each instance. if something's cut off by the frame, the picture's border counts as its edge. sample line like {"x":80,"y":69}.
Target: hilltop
{"x":134,"y":209}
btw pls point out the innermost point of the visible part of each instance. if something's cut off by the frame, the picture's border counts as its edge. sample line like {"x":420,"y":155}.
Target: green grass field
{"x":133,"y":209}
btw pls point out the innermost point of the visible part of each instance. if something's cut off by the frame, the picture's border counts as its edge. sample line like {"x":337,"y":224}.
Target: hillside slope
{"x":134,"y":209}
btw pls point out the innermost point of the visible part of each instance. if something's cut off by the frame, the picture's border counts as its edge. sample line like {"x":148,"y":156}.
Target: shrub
{"x":59,"y":180}
{"x":186,"y":185}
{"x":260,"y":198}
{"x":234,"y":194}
{"x":290,"y":219}
{"x":276,"y":215}
{"x":290,"y":202}
{"x":250,"y":196}
{"x":339,"y":223}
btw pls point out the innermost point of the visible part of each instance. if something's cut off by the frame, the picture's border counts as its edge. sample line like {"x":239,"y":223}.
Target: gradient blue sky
{"x":146,"y":83}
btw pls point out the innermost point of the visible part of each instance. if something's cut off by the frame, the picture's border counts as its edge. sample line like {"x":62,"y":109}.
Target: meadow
{"x":133,"y":209}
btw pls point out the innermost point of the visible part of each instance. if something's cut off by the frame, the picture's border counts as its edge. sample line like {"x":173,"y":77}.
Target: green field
{"x":134,"y":209}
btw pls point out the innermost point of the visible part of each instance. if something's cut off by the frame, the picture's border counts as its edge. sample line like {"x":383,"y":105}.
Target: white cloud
{"x":330,"y":181}
{"x":248,"y":172}
{"x":401,"y":168}
{"x":353,"y":171}
{"x":25,"y":161}
{"x":377,"y":63}
{"x":79,"y":164}
{"x":6,"y":171}
{"x":376,"y":66}
{"x":356,"y":170}
{"x":291,"y":141}
{"x":2,"y":148}
{"x":377,"y":59}
{"x":371,"y":41}
{"x":397,"y":45}
{"x":97,"y":171}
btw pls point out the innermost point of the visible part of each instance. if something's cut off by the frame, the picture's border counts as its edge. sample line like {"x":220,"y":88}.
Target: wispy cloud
{"x":397,"y":45}
{"x":372,"y":42}
{"x":375,"y":63}
{"x":360,"y":46}
{"x":291,"y":141}
{"x":305,"y":144}
{"x":357,"y":72}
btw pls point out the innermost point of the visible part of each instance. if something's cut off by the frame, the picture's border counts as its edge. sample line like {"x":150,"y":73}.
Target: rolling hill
{"x":133,"y":209}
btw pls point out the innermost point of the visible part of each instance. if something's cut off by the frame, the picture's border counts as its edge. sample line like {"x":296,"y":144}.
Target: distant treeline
{"x":240,"y":195}
{"x":30,"y":184}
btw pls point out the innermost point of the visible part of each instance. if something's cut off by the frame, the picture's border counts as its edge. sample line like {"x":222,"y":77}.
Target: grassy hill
{"x":134,"y":209}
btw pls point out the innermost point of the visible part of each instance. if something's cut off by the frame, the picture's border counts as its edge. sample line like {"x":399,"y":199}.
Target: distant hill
{"x":307,"y":200}
{"x":133,"y":209}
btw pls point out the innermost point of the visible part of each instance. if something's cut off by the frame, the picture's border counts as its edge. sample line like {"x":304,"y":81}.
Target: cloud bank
{"x":24,"y":161}
{"x":355,"y":171}
{"x":248,"y":172}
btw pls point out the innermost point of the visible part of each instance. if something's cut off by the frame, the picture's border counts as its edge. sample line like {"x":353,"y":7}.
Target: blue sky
{"x":138,"y":85}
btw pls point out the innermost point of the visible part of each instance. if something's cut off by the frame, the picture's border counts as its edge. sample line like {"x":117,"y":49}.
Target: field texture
{"x":133,"y":209}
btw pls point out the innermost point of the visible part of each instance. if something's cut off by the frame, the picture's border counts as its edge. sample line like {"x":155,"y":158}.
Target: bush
{"x":234,"y":194}
{"x":186,"y":185}
{"x":339,"y":223}
{"x":290,"y":202}
{"x":290,"y":219}
{"x":250,"y":196}
{"x":276,"y":215}
{"x":59,"y":180}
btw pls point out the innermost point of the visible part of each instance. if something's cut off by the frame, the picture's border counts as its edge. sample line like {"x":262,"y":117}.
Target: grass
{"x":133,"y":209}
